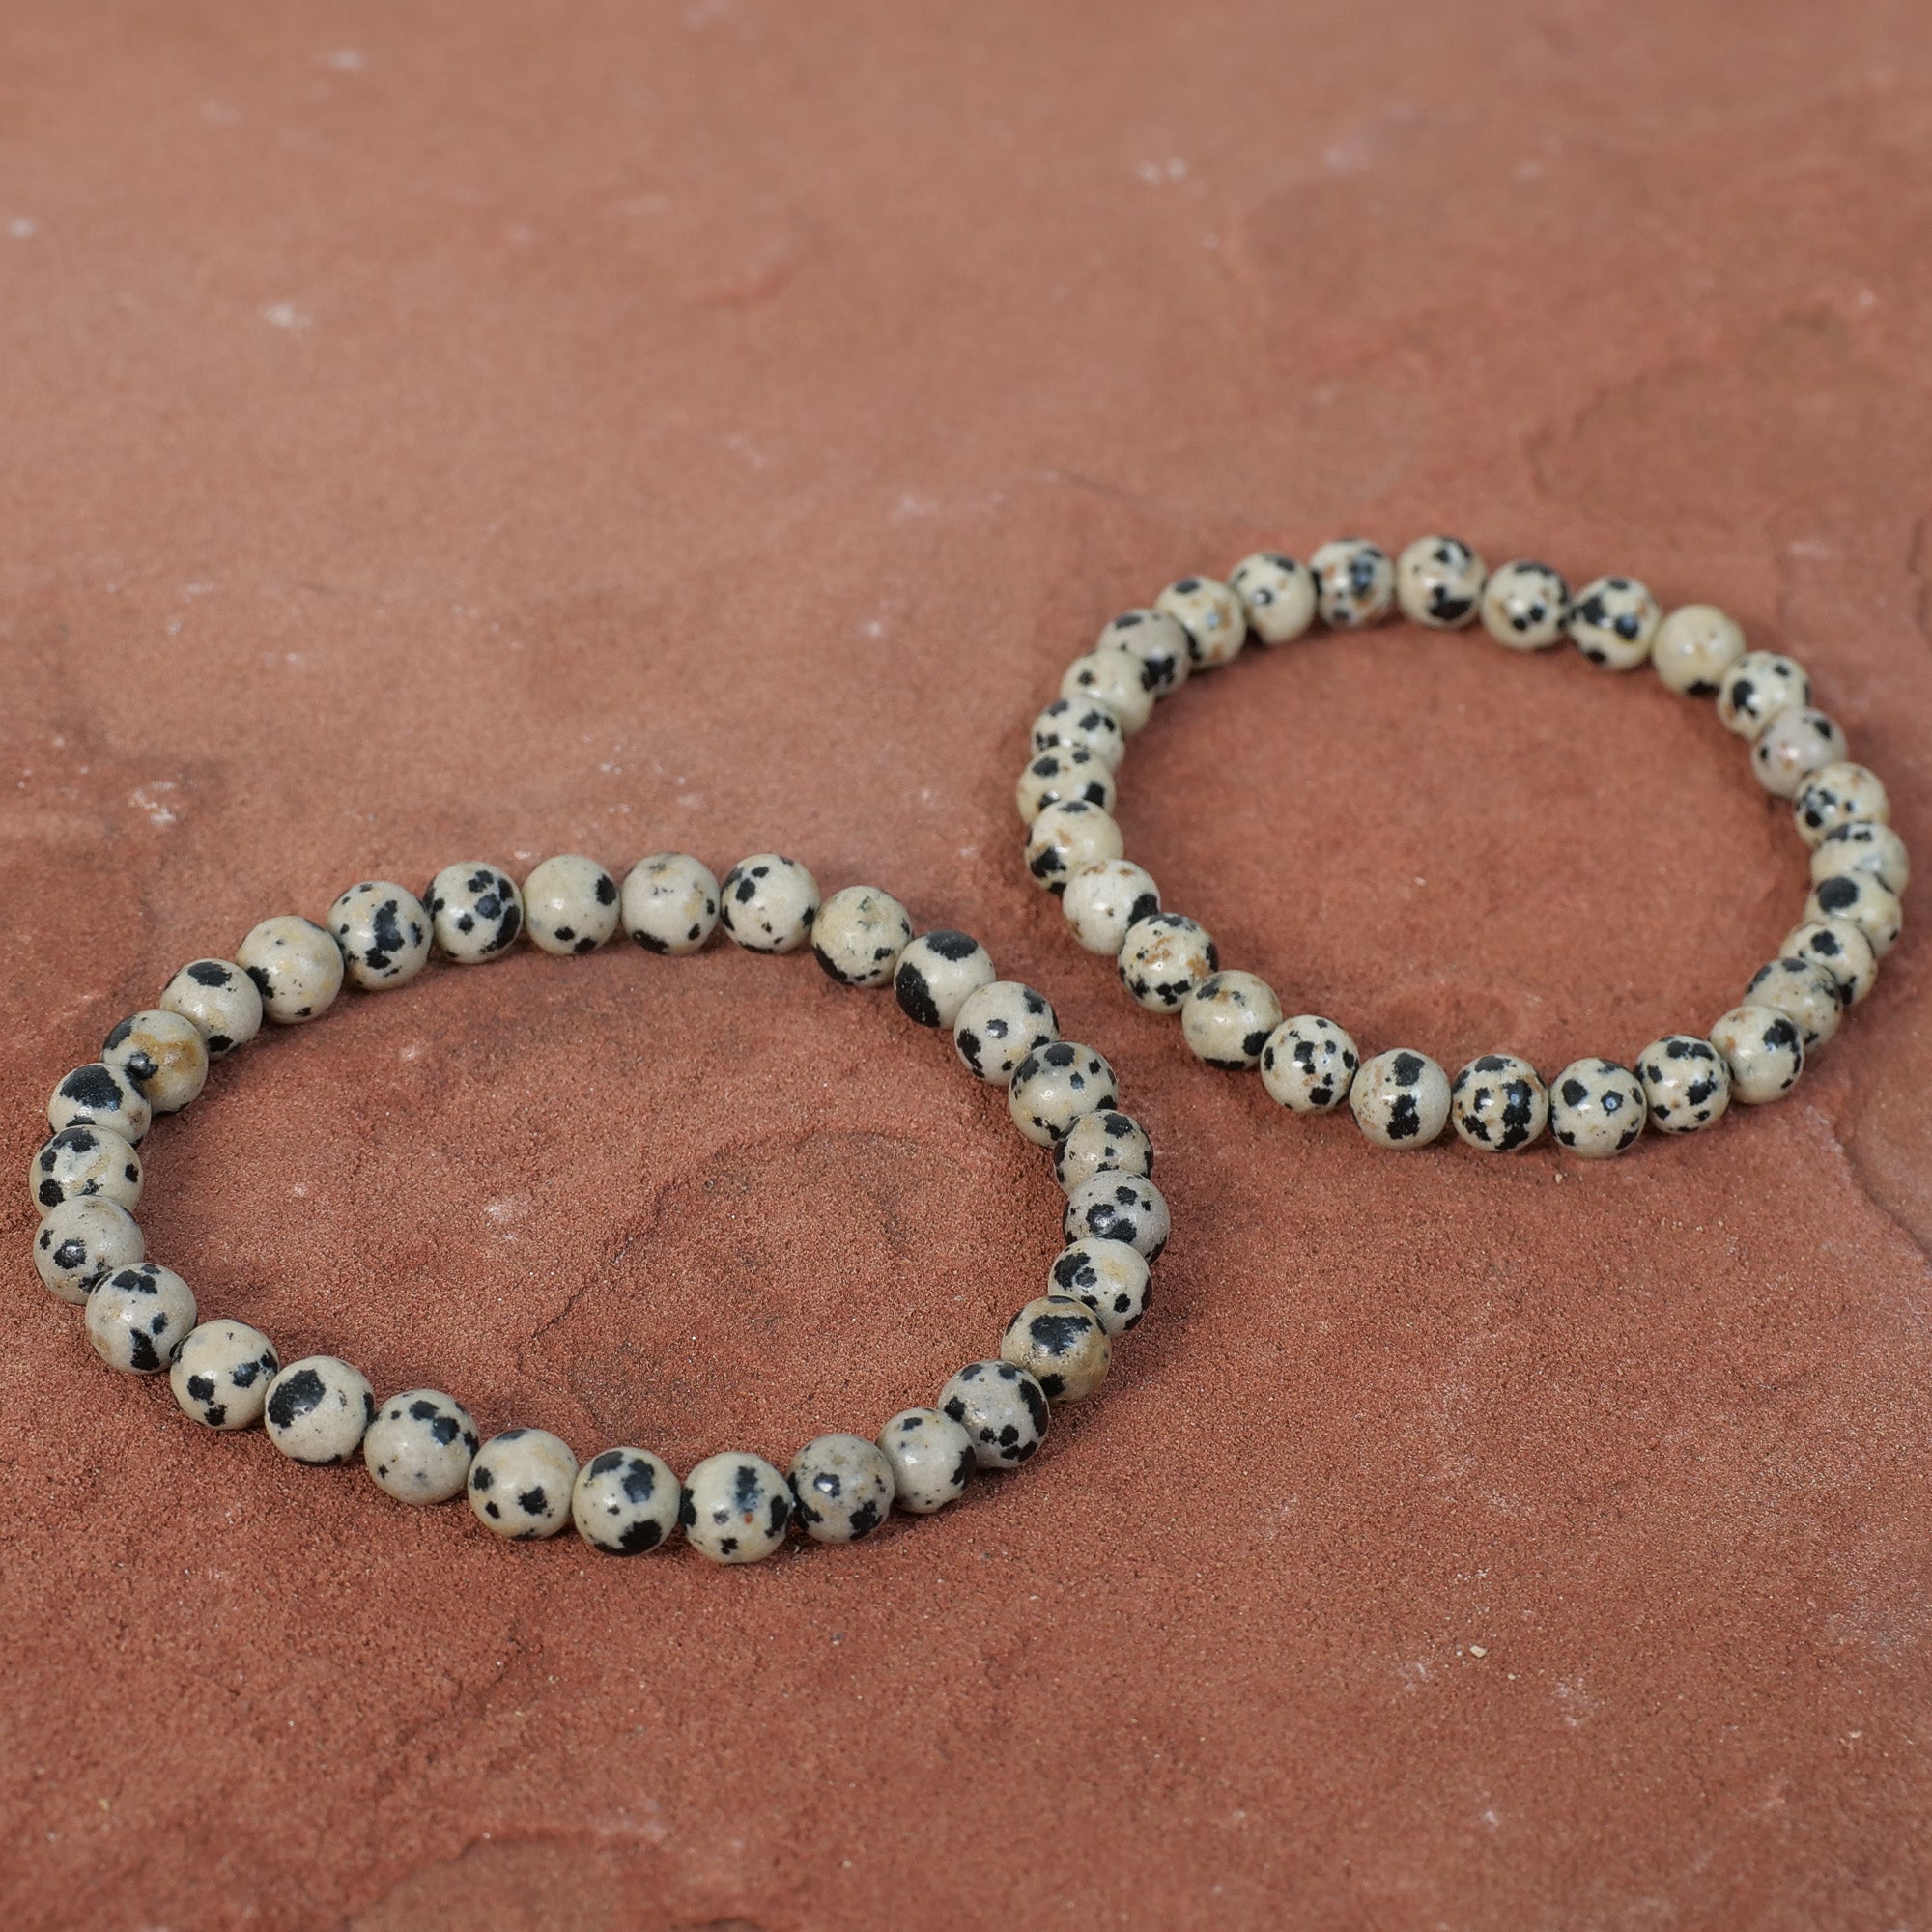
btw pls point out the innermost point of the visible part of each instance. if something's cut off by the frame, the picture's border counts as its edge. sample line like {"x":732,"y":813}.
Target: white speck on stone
{"x":153,"y":800}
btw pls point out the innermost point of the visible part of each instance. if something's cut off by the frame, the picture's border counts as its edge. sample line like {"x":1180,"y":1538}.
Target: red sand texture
{"x":458,"y":430}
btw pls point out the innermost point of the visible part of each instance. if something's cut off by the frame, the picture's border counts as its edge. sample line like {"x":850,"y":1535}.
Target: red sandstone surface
{"x":447,"y":430}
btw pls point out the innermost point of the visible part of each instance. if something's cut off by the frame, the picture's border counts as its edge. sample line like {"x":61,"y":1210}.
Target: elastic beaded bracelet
{"x":420,"y":1445}
{"x":1401,"y":1098}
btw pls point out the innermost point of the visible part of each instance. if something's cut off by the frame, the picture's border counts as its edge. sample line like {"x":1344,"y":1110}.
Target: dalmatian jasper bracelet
{"x":1401,"y":1098}
{"x":421,"y":1446}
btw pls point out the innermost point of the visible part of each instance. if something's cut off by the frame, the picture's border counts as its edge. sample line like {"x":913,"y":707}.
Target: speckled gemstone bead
{"x":841,"y":1488}
{"x":1354,"y":583}
{"x":1840,"y":949}
{"x":668,"y":902}
{"x":296,"y":968}
{"x":1686,"y":1084}
{"x":1804,"y":989}
{"x":1060,"y":1342}
{"x":768,"y":903}
{"x":1057,"y":778}
{"x":85,"y":1161}
{"x":1110,"y":1277}
{"x":1498,"y":1103}
{"x":95,"y":1096}
{"x":521,"y":1484}
{"x":1079,"y":725}
{"x":220,"y":1376}
{"x":1525,"y":605}
{"x":383,"y":931}
{"x":1309,"y":1063}
{"x":1116,"y":679}
{"x":1860,"y":900}
{"x":1157,"y":641}
{"x":859,"y":935}
{"x":1119,"y":1207}
{"x":1401,"y":1098}
{"x":1278,"y":594}
{"x":736,"y":1508}
{"x":318,"y":1409}
{"x":1694,"y":646}
{"x":162,"y":1054}
{"x":419,"y":1447}
{"x":1001,"y":1410}
{"x":1101,"y":900}
{"x":1163,"y":958}
{"x":1613,"y":623}
{"x":1105,"y":1142}
{"x":625,"y":1502}
{"x":570,"y":904}
{"x":1757,"y":688}
{"x":930,"y":1457}
{"x":81,"y":1240}
{"x":1596,"y":1108}
{"x":218,"y":1000}
{"x":1438,"y":581}
{"x":1226,"y":1020}
{"x":1864,"y":847}
{"x":1067,"y":838}
{"x":475,"y":911}
{"x":1213,"y":616}
{"x":999,"y":1026}
{"x":1762,"y":1051}
{"x":937,"y":974}
{"x":1839,"y":795}
{"x":1793,"y":746}
{"x":137,"y":1317}
{"x":1057,"y":1085}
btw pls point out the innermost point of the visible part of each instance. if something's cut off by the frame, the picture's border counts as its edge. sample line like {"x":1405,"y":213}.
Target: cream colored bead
{"x":625,"y":1501}
{"x":768,"y":902}
{"x":1159,"y":642}
{"x":1498,"y":1103}
{"x":1062,"y":1345}
{"x":1840,"y":949}
{"x":1102,"y":899}
{"x":420,"y":1446}
{"x":1438,"y":581}
{"x":570,"y":904}
{"x":1613,"y":623}
{"x":1112,"y":1278}
{"x":318,"y":1409}
{"x":668,"y":902}
{"x":1805,"y":989}
{"x":1763,"y":1051}
{"x":138,"y":1316}
{"x":1058,"y":778}
{"x":1757,"y":688}
{"x":1106,"y":1142}
{"x":96,"y":1095}
{"x":736,"y":1508}
{"x":1597,"y":1108}
{"x":931,"y":1459}
{"x":1213,"y":616}
{"x":1069,"y":839}
{"x":937,"y":974}
{"x":383,"y":931}
{"x":1841,"y":794}
{"x":296,"y":968}
{"x":1309,"y":1063}
{"x":521,"y":1484}
{"x":1694,"y":646}
{"x":1163,"y":958}
{"x":1278,"y":593}
{"x":218,"y":1000}
{"x":859,"y":935}
{"x":1792,"y":746}
{"x":1864,"y":903}
{"x":1400,"y":1099}
{"x":1226,"y":1020}
{"x":85,"y":1162}
{"x":1082,"y":725}
{"x":1053,"y":1087}
{"x":222,"y":1374}
{"x":1864,"y":847}
{"x":1354,"y":583}
{"x":999,"y":1025}
{"x":81,"y":1240}
{"x":841,"y":1488}
{"x":1525,"y":605}
{"x":1117,"y":680}
{"x":164,"y":1054}
{"x":1684,"y":1082}
{"x":475,"y":911}
{"x":1001,"y":1410}
{"x":1119,"y":1207}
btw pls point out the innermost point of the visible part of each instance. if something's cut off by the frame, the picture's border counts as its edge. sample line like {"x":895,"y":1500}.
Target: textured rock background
{"x":460,"y":430}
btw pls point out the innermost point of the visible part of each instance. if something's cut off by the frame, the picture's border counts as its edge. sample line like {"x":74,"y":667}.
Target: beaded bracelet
{"x":421,"y":1446}
{"x":1401,"y":1099}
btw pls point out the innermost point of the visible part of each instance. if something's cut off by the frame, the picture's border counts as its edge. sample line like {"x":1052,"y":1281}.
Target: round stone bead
{"x":668,"y":902}
{"x":383,"y":932}
{"x":1119,"y":1207}
{"x":1793,"y":745}
{"x":1228,"y":1018}
{"x":768,"y":904}
{"x":1613,"y":623}
{"x":296,"y":968}
{"x":218,"y":1000}
{"x":1438,"y":581}
{"x":859,"y":935}
{"x":1102,"y":899}
{"x":841,"y":1488}
{"x":1694,"y":646}
{"x":937,"y":974}
{"x":1001,"y":1410}
{"x":1060,"y":1342}
{"x":220,"y":1376}
{"x":1860,"y":900}
{"x":1525,"y":605}
{"x":1309,"y":1063}
{"x":999,"y":1026}
{"x":1056,"y":1086}
{"x":1864,"y":847}
{"x":625,"y":1501}
{"x":1057,"y":778}
{"x":1400,"y":1099}
{"x":1842,"y":949}
{"x":1806,"y":990}
{"x":735,"y":1508}
{"x":475,"y":911}
{"x":1105,"y":1142}
{"x":930,"y":1457}
{"x":138,"y":1316}
{"x":97,"y":1095}
{"x":1278,"y":594}
{"x":1110,"y":1277}
{"x":1157,"y":641}
{"x":1070,"y":724}
{"x":1354,"y":583}
{"x":1498,"y":1103}
{"x":1163,"y":958}
{"x":1757,"y":688}
{"x":521,"y":1484}
{"x":90,"y":1162}
{"x":570,"y":904}
{"x":1213,"y":616}
{"x":1118,"y":679}
{"x":1686,"y":1084}
{"x":317,"y":1410}
{"x":1762,"y":1051}
{"x":80,"y":1240}
{"x":1838,"y":795}
{"x":1067,"y":838}
{"x":420,"y":1446}
{"x":1596,"y":1108}
{"x":162,"y":1054}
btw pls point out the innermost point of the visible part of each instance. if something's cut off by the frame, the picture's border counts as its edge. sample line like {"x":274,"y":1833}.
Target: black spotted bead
{"x":1068,"y":840}
{"x":85,"y":1162}
{"x":625,"y":1502}
{"x":1163,"y":958}
{"x":317,"y":1410}
{"x":81,"y":1240}
{"x":1763,"y":1053}
{"x":999,"y":1026}
{"x":221,"y":1376}
{"x":97,"y":1095}
{"x":1861,"y":901}
{"x":859,"y":934}
{"x":1062,"y":1343}
{"x":475,"y":911}
{"x":1756,"y":688}
{"x":1003,"y":1411}
{"x":1160,"y":644}
{"x":1053,"y":1087}
{"x":1354,"y":583}
{"x":1686,"y":1084}
{"x":419,"y":1447}
{"x":570,"y":904}
{"x":1104,"y":1142}
{"x":1805,"y":989}
{"x":1400,"y":1099}
{"x":1613,"y":623}
{"x":841,"y":1488}
{"x":1119,"y":1207}
{"x":1112,"y":1278}
{"x":736,"y":1508}
{"x":163,"y":1055}
{"x":1525,"y":605}
{"x":1840,"y":949}
{"x":937,"y":974}
{"x":218,"y":1000}
{"x":1308,"y":1064}
{"x":1059,"y":777}
{"x":1213,"y":616}
{"x":1694,"y":646}
{"x":295,"y":965}
{"x":1498,"y":1103}
{"x":1278,"y":592}
{"x":521,"y":1484}
{"x":668,"y":902}
{"x":137,"y":1317}
{"x":1070,"y":724}
{"x":1228,"y":1018}
{"x":930,"y":1457}
{"x":1439,"y":582}
{"x":384,"y":932}
{"x":1597,"y":1108}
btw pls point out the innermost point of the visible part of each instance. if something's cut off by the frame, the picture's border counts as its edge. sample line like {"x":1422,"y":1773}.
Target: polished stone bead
{"x":1864,"y":847}
{"x":841,"y":1488}
{"x":1842,"y":949}
{"x":1101,"y":900}
{"x":384,"y":932}
{"x":1106,"y":1142}
{"x":999,"y":1026}
{"x":85,"y":1161}
{"x":1400,"y":1099}
{"x":1805,"y":989}
{"x":1157,"y":641}
{"x":1055,"y":1086}
{"x":318,"y":1409}
{"x":1308,"y":1064}
{"x":1860,"y":900}
{"x":1757,"y":688}
{"x":1354,"y":583}
{"x":1163,"y":958}
{"x":937,"y":974}
{"x":1525,"y":605}
{"x":1112,"y":1278}
{"x":930,"y":1457}
{"x":1119,"y":1207}
{"x":221,"y":1374}
{"x":1065,"y":840}
{"x":736,"y":1508}
{"x":625,"y":1502}
{"x":218,"y":1000}
{"x":1062,"y":1343}
{"x":1763,"y":1051}
{"x":1613,"y":623}
{"x":1003,"y":1411}
{"x":1439,"y":582}
{"x":521,"y":1484}
{"x":1116,"y":679}
{"x":1060,"y":776}
{"x":1839,"y":795}
{"x":1213,"y":616}
{"x":1278,"y":593}
{"x":1498,"y":1103}
{"x":163,"y":1055}
{"x":668,"y":902}
{"x":81,"y":1240}
{"x":1226,"y":1020}
{"x":295,"y":965}
{"x":475,"y":911}
{"x":1792,"y":746}
{"x":1686,"y":1084}
{"x":859,"y":935}
{"x":570,"y":904}
{"x":420,"y":1446}
{"x":1596,"y":1108}
{"x":1083,"y":725}
{"x":138,"y":1316}
{"x":97,"y":1095}
{"x":1694,"y":646}
{"x":768,"y":903}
